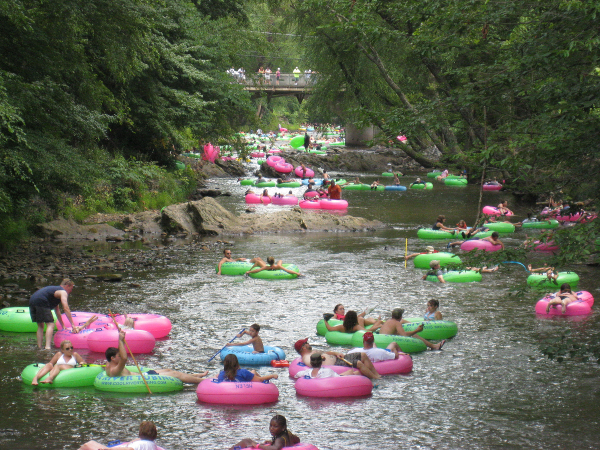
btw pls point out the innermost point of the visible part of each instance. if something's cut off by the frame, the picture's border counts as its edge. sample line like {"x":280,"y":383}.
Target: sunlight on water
{"x":490,"y":387}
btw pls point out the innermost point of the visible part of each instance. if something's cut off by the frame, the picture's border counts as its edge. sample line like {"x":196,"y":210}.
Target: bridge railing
{"x":286,"y":81}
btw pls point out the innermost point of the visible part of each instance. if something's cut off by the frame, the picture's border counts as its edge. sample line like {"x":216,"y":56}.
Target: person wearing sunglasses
{"x":227,"y":258}
{"x":65,"y":358}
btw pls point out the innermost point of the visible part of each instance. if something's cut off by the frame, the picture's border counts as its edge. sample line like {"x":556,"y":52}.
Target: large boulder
{"x":69,"y":229}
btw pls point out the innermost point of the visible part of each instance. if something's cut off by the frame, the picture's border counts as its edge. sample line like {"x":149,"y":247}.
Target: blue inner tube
{"x":395,"y":188}
{"x":245,"y":356}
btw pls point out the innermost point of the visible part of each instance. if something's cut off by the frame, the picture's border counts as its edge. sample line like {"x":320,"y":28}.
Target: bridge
{"x":287,"y":85}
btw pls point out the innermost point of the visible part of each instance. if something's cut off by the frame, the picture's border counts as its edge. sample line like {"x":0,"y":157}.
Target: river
{"x":490,"y":387}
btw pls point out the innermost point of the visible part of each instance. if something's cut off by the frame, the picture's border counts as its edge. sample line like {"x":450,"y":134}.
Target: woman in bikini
{"x":64,"y":359}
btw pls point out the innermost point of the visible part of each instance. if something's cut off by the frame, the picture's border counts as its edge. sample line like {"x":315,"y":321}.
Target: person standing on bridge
{"x":268,"y":75}
{"x":296,"y":75}
{"x":278,"y":75}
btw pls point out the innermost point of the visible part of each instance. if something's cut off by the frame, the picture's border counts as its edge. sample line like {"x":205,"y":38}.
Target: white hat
{"x":278,"y":68}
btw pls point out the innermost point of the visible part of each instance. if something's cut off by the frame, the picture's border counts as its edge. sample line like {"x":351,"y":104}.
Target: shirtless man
{"x":494,"y":239}
{"x":117,"y":358}
{"x":227,"y":258}
{"x":359,"y":361}
{"x":394,"y":326}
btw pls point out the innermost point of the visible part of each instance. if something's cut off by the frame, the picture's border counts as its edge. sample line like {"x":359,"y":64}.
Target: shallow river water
{"x":490,"y":387}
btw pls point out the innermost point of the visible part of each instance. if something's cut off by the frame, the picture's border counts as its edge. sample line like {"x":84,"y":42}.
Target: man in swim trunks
{"x":334,"y":191}
{"x":394,"y":326}
{"x":41,"y":304}
{"x":375,"y":354}
{"x":117,"y":358}
{"x":227,"y":258}
{"x":357,"y":360}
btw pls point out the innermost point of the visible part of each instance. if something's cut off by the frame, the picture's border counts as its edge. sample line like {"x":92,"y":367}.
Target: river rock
{"x":69,"y":229}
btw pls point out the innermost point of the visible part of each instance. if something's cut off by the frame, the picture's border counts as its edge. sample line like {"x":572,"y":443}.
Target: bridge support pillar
{"x":359,"y":137}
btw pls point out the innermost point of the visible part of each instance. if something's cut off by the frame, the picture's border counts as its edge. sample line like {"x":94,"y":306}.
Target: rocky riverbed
{"x":107,"y":246}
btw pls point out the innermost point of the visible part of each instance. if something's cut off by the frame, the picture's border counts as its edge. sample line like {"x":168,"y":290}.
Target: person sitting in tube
{"x":428,"y":250}
{"x":394,"y":326}
{"x":417,"y":181}
{"x":317,"y":371}
{"x":358,"y":361}
{"x":352,"y":323}
{"x":563,"y":297}
{"x":435,"y":271}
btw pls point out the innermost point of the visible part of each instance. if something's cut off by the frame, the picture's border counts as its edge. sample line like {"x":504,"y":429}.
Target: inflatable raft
{"x":246,"y":357}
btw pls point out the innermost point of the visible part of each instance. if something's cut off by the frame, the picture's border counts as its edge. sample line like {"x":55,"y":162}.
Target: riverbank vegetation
{"x":511,"y":86}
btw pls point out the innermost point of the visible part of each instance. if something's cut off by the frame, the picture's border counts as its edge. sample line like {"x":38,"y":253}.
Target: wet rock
{"x":111,"y":277}
{"x":69,"y":229}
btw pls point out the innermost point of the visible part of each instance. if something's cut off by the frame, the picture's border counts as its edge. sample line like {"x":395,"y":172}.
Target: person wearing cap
{"x":356,"y":360}
{"x":41,"y":304}
{"x":428,"y":250}
{"x":394,"y":326}
{"x":317,"y":371}
{"x":296,"y":73}
{"x":375,"y":354}
{"x":435,"y":271}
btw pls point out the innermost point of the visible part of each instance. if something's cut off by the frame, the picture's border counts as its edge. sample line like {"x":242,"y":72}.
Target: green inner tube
{"x":289,"y":184}
{"x":455,"y":181}
{"x":297,"y":142}
{"x":451,"y":177}
{"x":247,"y":182}
{"x":433,"y":174}
{"x":422,"y":186}
{"x":542,"y":224}
{"x":457,"y":276}
{"x":318,"y":152}
{"x":275,"y":274}
{"x":17,"y":319}
{"x":234,"y":268}
{"x":180,"y":165}
{"x":541,"y":280}
{"x":266,"y":184}
{"x":429,"y":233}
{"x":357,"y":187}
{"x":75,"y":377}
{"x":500,"y":227}
{"x":407,"y":344}
{"x":387,"y":174}
{"x":135,"y":384}
{"x":337,"y":143}
{"x":432,"y":329}
{"x":445,"y":259}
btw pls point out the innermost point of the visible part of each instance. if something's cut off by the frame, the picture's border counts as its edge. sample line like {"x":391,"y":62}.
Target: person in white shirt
{"x":377,"y":354}
{"x":316,"y":361}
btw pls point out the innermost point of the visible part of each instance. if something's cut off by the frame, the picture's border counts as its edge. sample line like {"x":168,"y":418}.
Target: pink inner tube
{"x":158,"y":325}
{"x":327,"y":203}
{"x":139,"y":341}
{"x":81,"y":317}
{"x":492,"y":187}
{"x":487,"y":246}
{"x":568,"y":218}
{"x":227,"y":158}
{"x":493,"y":211}
{"x":78,"y":340}
{"x":308,"y":174}
{"x":283,"y":167}
{"x":582,"y":306}
{"x":310,"y":204}
{"x":253,"y":199}
{"x":348,"y":386}
{"x":273,"y":160}
{"x":234,"y":393}
{"x":274,"y":150}
{"x":549,"y":246}
{"x":288,"y":200}
{"x":299,"y":446}
{"x":257,"y":154}
{"x":404,"y":364}
{"x":311,"y":194}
